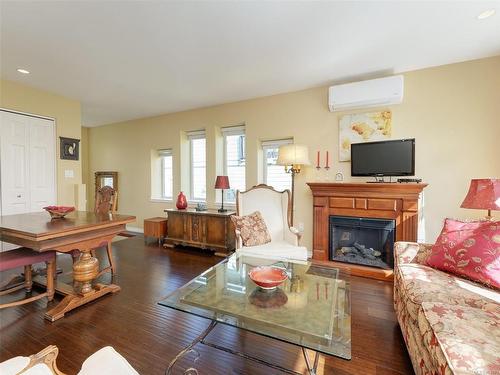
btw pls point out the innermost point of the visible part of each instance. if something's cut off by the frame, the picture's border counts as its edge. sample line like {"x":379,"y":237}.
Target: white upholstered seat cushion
{"x":279,"y":250}
{"x":15,"y":365}
{"x":107,"y":361}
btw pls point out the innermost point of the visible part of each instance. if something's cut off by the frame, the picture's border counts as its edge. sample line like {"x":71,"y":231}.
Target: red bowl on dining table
{"x":267,"y":277}
{"x":58,"y":212}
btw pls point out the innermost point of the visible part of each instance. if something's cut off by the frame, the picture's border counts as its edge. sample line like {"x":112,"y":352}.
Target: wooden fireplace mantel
{"x":396,"y":201}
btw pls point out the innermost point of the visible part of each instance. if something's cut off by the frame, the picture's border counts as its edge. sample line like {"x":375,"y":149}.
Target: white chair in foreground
{"x":276,"y":210}
{"x":105,"y":361}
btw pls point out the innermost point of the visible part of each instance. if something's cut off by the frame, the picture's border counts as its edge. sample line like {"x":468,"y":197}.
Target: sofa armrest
{"x":410,"y":252}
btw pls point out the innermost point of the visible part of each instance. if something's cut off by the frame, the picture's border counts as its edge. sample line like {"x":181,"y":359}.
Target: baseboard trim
{"x":135,"y":229}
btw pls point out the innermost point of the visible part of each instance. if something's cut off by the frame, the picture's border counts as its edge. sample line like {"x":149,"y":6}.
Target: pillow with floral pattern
{"x":252,"y":228}
{"x":469,"y":249}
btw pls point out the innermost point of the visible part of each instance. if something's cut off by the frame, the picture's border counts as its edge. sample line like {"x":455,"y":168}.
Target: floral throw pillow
{"x":252,"y":228}
{"x":469,"y":249}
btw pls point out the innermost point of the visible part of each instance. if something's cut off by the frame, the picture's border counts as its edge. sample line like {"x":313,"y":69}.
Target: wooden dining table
{"x":79,"y":230}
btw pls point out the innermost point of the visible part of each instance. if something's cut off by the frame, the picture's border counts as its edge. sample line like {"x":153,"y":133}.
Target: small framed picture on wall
{"x":70,"y":148}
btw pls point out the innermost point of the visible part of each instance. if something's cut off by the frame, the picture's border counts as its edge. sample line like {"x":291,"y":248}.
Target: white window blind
{"x":234,"y":159}
{"x":198,"y":165}
{"x":275,"y":175}
{"x":167,"y":178}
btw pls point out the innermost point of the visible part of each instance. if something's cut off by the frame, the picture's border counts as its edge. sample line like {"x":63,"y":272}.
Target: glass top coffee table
{"x":311,"y":309}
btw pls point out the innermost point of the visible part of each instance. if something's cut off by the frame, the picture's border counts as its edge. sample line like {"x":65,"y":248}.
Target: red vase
{"x":182,"y":202}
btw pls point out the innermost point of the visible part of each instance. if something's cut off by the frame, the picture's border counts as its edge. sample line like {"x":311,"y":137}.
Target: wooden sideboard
{"x":397,"y":201}
{"x":209,"y":229}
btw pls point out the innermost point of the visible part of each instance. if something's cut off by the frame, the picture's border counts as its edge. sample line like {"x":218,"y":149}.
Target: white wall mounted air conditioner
{"x":372,"y":93}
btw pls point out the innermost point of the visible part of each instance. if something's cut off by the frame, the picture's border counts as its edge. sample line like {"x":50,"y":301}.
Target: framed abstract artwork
{"x":363,"y":127}
{"x":70,"y":148}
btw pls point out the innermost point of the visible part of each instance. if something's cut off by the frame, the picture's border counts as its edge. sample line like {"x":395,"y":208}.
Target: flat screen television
{"x":385,"y":158}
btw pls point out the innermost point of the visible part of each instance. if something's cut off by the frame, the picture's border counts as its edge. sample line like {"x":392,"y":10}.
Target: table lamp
{"x":293,"y":157}
{"x":484,"y":194}
{"x":222,"y":182}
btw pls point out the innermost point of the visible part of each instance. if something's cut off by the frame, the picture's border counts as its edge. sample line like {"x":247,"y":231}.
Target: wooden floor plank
{"x":149,"y":335}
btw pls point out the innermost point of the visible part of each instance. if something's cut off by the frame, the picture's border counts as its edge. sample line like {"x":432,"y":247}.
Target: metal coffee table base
{"x":311,"y":368}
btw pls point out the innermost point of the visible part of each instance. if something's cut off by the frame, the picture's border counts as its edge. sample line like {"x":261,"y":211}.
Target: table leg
{"x":85,"y":270}
{"x":311,"y":369}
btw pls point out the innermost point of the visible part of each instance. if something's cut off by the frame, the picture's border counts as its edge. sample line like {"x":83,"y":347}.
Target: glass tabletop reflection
{"x":310,"y":309}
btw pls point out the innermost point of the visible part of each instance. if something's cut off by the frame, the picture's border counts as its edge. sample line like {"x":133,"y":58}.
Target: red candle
{"x":327,"y":161}
{"x":317,"y":161}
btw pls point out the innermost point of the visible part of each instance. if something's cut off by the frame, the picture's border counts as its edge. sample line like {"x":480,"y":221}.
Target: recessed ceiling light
{"x":23,"y":71}
{"x":486,"y":14}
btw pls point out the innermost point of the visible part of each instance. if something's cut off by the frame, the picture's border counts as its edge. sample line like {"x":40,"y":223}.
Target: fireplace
{"x":362,"y":241}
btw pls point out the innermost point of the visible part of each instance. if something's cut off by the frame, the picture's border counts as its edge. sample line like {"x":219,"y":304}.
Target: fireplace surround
{"x":390,"y":201}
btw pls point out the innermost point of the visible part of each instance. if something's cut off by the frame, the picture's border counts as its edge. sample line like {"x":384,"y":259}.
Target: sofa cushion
{"x":461,"y":340}
{"x":419,"y":283}
{"x":252,"y":228}
{"x":469,"y":249}
{"x":279,"y":250}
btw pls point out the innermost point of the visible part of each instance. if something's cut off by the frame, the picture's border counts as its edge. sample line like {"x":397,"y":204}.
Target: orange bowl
{"x":58,"y":212}
{"x":267,"y":277}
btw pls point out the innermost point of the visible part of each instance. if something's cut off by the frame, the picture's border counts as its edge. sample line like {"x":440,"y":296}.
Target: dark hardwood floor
{"x":149,"y":335}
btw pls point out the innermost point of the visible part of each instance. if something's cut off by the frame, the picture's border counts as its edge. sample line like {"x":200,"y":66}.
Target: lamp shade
{"x":483,"y":194}
{"x":222,"y":182}
{"x":292,"y":154}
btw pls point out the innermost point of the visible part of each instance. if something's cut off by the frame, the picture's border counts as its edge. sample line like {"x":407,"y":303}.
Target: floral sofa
{"x":450,"y":325}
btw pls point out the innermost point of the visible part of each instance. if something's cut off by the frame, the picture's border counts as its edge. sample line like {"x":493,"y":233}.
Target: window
{"x":166,"y":174}
{"x":275,"y":175}
{"x":234,"y":160}
{"x":198,"y":165}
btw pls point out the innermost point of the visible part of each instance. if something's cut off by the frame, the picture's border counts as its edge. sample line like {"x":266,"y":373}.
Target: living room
{"x":170,"y":96}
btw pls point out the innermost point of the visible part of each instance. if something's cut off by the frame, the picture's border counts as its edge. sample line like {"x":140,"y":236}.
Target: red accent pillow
{"x":469,"y":249}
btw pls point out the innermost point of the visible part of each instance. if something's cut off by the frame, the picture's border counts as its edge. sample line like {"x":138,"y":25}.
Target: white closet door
{"x":41,"y":163}
{"x":14,"y":161}
{"x":27,"y":165}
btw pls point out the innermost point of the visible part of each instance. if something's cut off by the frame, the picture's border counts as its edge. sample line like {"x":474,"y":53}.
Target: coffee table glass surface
{"x":310,"y":309}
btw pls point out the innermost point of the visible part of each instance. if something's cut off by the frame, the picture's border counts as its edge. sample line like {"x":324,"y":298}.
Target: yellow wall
{"x":67,"y":114}
{"x":453,"y":111}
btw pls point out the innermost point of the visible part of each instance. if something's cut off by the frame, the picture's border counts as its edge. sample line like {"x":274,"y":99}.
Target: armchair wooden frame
{"x":47,"y":357}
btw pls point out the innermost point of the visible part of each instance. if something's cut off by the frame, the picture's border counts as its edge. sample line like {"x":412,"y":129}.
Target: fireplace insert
{"x":364,"y":241}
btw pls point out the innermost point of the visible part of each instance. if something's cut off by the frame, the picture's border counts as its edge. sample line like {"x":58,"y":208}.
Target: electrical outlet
{"x":69,"y":173}
{"x":300,"y":227}
{"x":339,"y":176}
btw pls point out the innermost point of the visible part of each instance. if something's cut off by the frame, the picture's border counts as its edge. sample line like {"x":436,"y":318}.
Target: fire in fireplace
{"x":363,"y":241}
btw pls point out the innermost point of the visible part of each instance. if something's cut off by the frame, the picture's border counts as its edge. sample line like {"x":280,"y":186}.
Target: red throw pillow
{"x":469,"y":249}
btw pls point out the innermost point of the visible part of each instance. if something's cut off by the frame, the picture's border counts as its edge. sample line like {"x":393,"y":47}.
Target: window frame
{"x":163,"y":154}
{"x":199,"y":134}
{"x":265,"y":145}
{"x":231,"y":131}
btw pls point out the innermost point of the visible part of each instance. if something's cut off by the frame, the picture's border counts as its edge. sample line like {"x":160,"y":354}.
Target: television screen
{"x":386,"y":158}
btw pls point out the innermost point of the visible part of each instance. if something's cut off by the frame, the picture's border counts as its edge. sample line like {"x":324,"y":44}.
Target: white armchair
{"x":276,"y":210}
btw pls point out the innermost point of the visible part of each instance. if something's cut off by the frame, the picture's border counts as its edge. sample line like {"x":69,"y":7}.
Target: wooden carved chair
{"x":24,"y":257}
{"x":105,"y":203}
{"x":275,"y":208}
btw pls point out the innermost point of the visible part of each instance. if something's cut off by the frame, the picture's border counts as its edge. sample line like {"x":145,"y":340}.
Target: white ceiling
{"x":126,"y":60}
